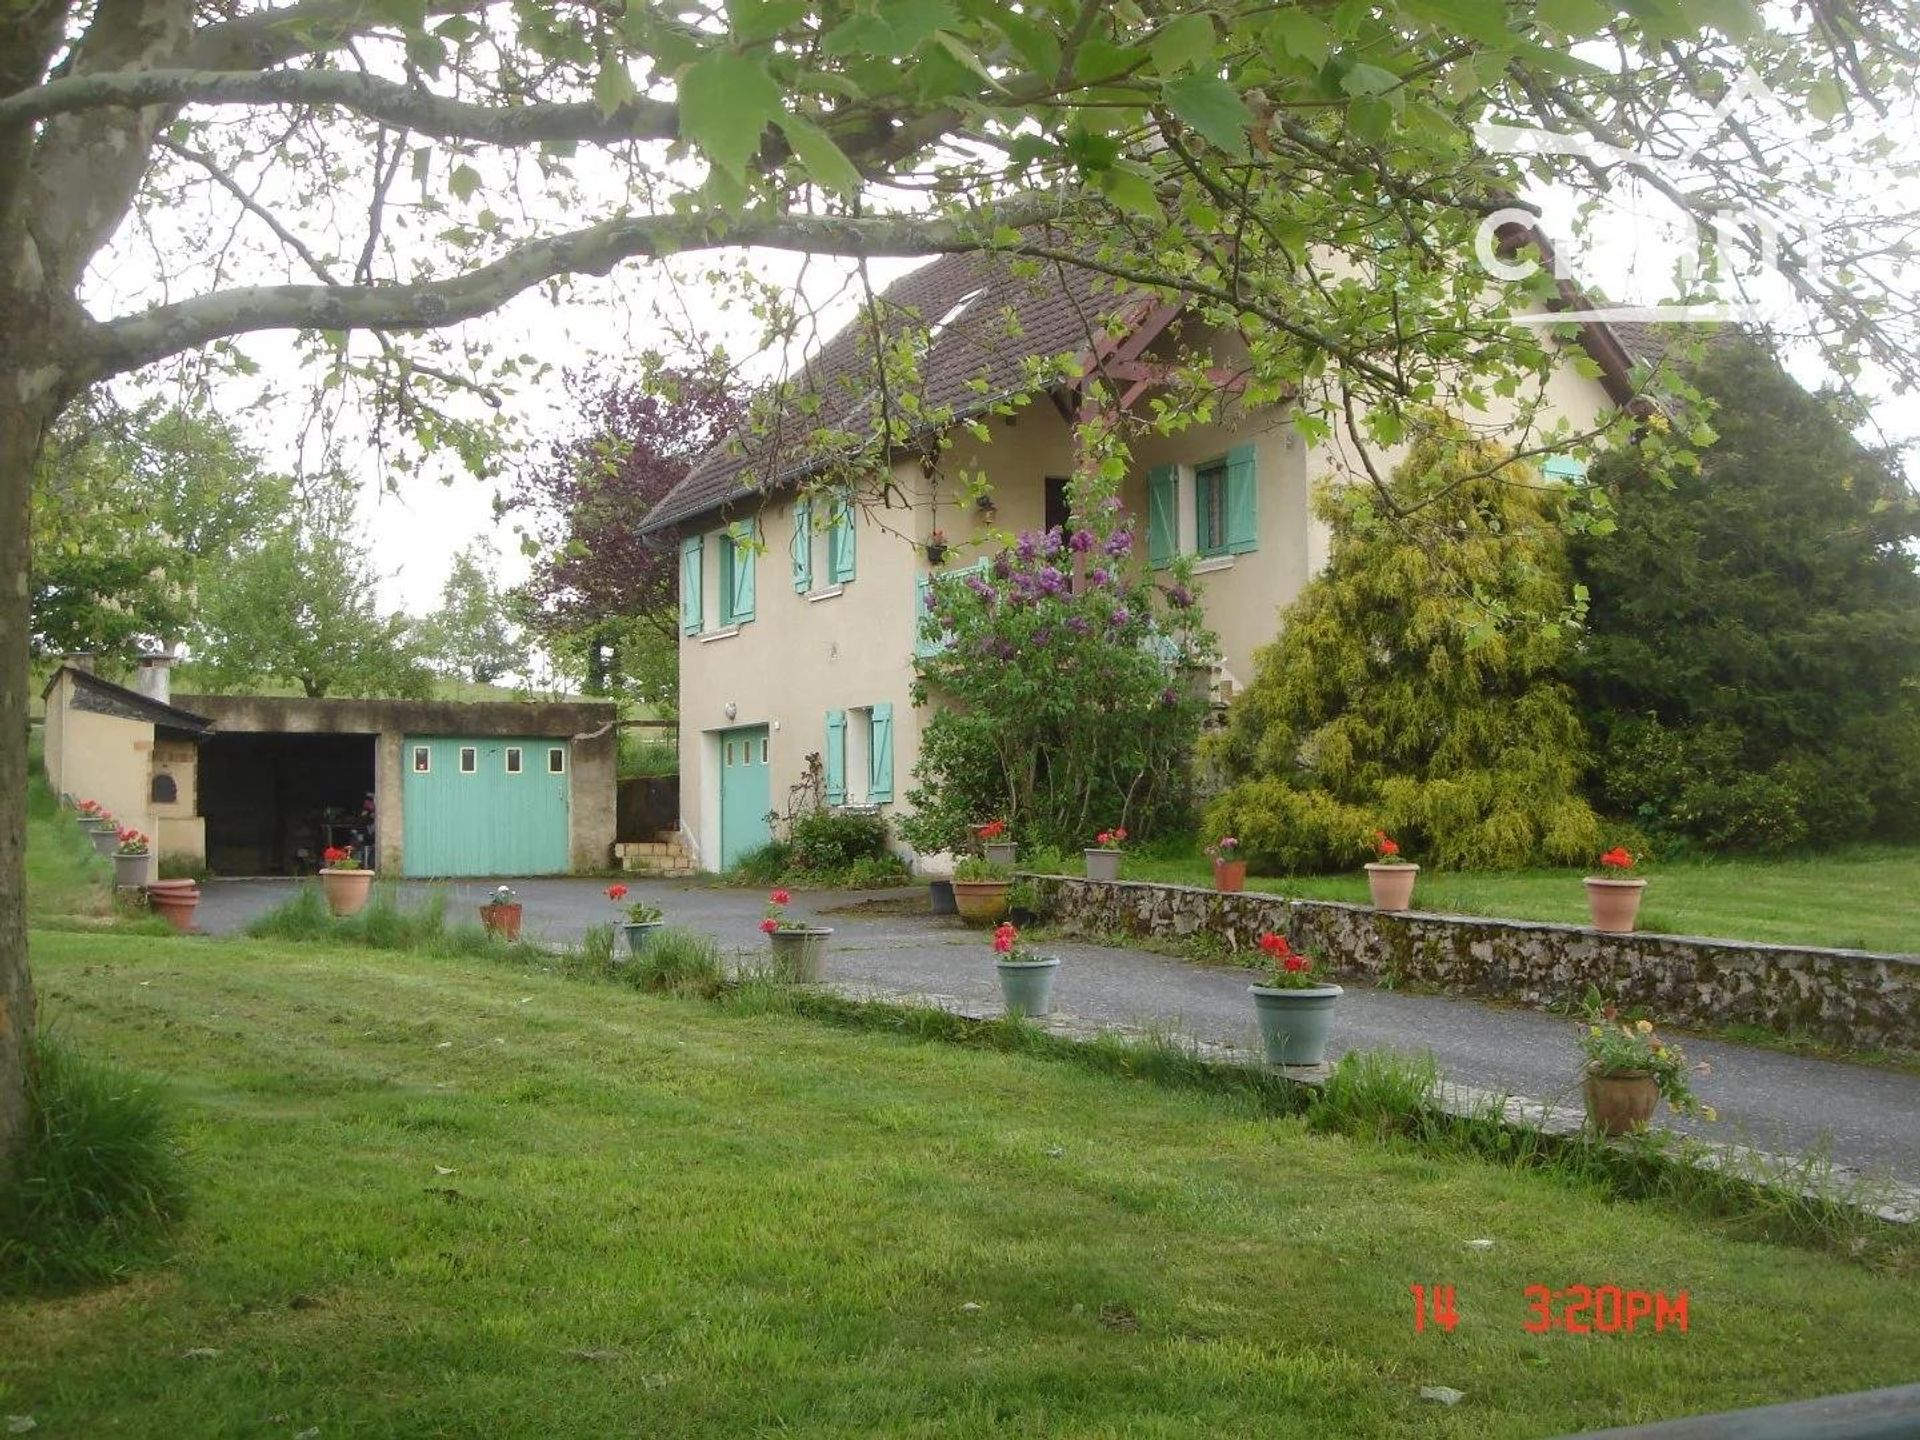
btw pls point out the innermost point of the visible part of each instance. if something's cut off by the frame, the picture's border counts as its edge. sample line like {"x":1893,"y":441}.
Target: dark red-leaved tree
{"x":599,"y":586}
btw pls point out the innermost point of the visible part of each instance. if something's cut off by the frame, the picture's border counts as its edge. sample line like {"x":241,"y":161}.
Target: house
{"x":799,"y":615}
{"x":261,"y":784}
{"x":130,"y":749}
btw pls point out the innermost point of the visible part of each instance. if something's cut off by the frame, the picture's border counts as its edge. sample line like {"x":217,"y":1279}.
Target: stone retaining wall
{"x":1849,"y":997}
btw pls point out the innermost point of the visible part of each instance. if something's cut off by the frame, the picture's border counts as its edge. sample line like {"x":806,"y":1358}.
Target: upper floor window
{"x":1208,"y":509}
{"x":822,"y":548}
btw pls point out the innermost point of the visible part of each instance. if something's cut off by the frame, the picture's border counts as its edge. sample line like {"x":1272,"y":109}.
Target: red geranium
{"x":1005,"y":937}
{"x":1291,"y":968}
{"x":781,"y":897}
{"x":1618,"y":858}
{"x":769,"y":925}
{"x":616,"y":891}
{"x":1107,"y":839}
{"x":993,"y":829}
{"x":1385,"y":845}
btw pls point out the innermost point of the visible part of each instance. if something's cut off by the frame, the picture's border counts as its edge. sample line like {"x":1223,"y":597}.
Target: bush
{"x":829,"y":841}
{"x":1415,"y":686}
{"x":763,"y":866}
{"x":880,"y":872}
{"x":99,"y":1176}
{"x":1284,"y":831}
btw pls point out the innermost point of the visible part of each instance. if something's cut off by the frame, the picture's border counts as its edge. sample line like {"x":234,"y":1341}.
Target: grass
{"x":435,"y":1195}
{"x":1862,"y":898}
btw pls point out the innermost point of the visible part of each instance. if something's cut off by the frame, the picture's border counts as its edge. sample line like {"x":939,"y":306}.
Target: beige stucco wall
{"x":91,"y":756}
{"x":852,"y":646}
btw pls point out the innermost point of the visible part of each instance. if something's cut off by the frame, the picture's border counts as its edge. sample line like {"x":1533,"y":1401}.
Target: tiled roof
{"x":978,"y":356}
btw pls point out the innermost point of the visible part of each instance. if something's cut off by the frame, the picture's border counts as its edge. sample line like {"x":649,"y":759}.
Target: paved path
{"x":1780,"y":1102}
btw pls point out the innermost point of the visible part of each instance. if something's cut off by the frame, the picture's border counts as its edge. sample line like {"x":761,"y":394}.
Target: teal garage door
{"x":484,"y":806}
{"x":745,"y":793}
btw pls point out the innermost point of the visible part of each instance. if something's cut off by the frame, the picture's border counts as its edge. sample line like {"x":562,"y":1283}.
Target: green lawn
{"x":1868,"y":898}
{"x":450,"y":1198}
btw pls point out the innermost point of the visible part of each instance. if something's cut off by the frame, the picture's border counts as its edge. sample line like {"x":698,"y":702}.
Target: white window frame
{"x":469,"y":759}
{"x":423,"y":759}
{"x":857,"y":768}
{"x":512,"y":760}
{"x":559,"y":753}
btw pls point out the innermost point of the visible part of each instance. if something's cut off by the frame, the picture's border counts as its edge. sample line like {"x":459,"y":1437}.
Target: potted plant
{"x":1390,"y":878}
{"x":104,"y":831}
{"x":174,"y":901}
{"x":130,"y":863}
{"x":1103,"y":856}
{"x":995,"y":845}
{"x":937,"y":548}
{"x":88,"y":814}
{"x":642,"y":919}
{"x":501,"y":914}
{"x":980,"y":890}
{"x":1614,"y":898}
{"x":1295,"y":1010}
{"x":1229,"y":870}
{"x":799,"y":949}
{"x":1026,"y":976}
{"x":1628,"y":1070}
{"x":345,"y":882}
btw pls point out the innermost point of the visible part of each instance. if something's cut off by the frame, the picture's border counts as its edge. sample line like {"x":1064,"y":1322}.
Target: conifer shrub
{"x":1415,"y":685}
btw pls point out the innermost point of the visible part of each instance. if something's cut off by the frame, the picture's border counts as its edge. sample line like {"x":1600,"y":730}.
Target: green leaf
{"x":1100,"y":59}
{"x":967,"y":58}
{"x":463,"y":182}
{"x":1369,"y":118}
{"x":825,"y":162}
{"x":1211,"y":106}
{"x":1129,"y":186}
{"x":1300,"y":35}
{"x":1034,"y":44}
{"x":762,"y":19}
{"x":1182,"y":44}
{"x":1736,"y":19}
{"x":1826,"y":99}
{"x":1364,"y":79}
{"x":614,"y":86}
{"x":1575,"y":17}
{"x":726,"y":101}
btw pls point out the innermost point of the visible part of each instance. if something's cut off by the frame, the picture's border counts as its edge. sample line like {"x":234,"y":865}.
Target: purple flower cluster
{"x":1081,"y":541}
{"x":1120,"y":616}
{"x":1179,"y":597}
{"x":1120,"y":543}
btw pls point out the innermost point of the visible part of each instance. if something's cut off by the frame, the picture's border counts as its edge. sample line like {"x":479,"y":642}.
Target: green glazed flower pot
{"x":1294,"y":1023}
{"x":639,"y":936}
{"x":800,"y":955}
{"x":1026,"y":986}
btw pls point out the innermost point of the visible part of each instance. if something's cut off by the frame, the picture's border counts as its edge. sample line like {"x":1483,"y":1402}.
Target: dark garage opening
{"x":273,"y":802}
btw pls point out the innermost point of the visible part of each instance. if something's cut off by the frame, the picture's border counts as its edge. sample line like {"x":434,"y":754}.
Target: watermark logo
{"x":1743,"y":248}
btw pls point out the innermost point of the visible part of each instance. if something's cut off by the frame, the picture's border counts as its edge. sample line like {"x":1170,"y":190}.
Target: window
{"x":422,"y":759}
{"x":469,"y":759}
{"x":557,"y":760}
{"x":737,"y":554}
{"x":1564,"y":468}
{"x":800,"y":548}
{"x":1210,"y":508}
{"x":763,"y":749}
{"x":513,"y":760}
{"x":163,"y":790}
{"x":1057,"y":514}
{"x":840,"y":547}
{"x":859,"y":755}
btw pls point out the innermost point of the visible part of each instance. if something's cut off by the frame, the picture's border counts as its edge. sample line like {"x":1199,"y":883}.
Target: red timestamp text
{"x":1603,"y":1310}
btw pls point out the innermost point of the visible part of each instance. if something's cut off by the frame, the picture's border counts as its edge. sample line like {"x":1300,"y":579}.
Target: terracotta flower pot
{"x":1392,"y":885}
{"x":1623,"y":1102}
{"x":502,"y":920}
{"x":1615,"y":903}
{"x":981,"y":902}
{"x":174,"y":901}
{"x":346,"y":890}
{"x":1229,"y":876}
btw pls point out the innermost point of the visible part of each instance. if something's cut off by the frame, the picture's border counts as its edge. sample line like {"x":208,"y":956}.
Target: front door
{"x":745,"y":793}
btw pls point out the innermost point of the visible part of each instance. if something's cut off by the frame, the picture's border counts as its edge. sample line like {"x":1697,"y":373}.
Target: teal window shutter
{"x":690,"y":553}
{"x":925,"y":642}
{"x":1243,"y":530}
{"x":840,"y":544}
{"x":1564,"y":467}
{"x":836,"y":757}
{"x":1163,"y":515}
{"x":736,"y":574}
{"x":880,"y":765}
{"x":802,"y":548}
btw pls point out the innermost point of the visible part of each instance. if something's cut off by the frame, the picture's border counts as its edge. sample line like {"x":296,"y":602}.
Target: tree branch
{"x":126,"y":344}
{"x":399,"y":105}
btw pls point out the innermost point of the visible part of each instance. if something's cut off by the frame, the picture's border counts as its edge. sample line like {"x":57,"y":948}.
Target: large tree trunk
{"x":22,"y":428}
